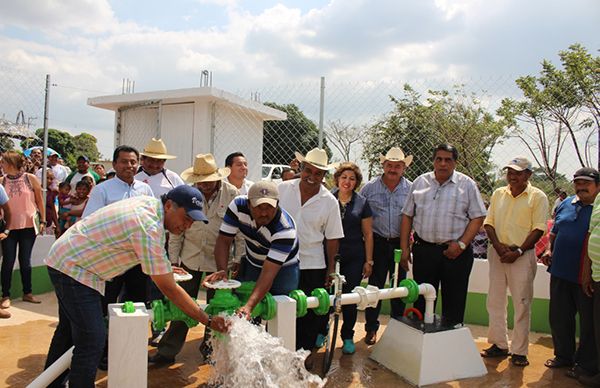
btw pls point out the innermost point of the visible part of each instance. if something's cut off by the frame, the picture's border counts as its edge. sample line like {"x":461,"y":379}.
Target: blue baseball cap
{"x":191,"y":199}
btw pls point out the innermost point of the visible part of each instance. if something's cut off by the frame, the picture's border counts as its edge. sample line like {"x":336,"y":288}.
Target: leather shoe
{"x":4,"y":314}
{"x":5,"y":302}
{"x":371,"y":337}
{"x":590,"y":381}
{"x":159,"y":359}
{"x":31,"y":299}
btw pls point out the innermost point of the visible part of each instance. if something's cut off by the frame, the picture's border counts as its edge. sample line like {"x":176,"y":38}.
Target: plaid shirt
{"x":111,"y":240}
{"x":441,"y":212}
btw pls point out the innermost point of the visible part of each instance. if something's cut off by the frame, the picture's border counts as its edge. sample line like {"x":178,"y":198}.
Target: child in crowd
{"x":78,"y":202}
{"x":64,"y":205}
{"x":51,"y":195}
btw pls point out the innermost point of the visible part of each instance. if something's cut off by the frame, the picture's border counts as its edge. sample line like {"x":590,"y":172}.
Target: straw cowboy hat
{"x":317,"y":157}
{"x":395,"y":154}
{"x":156,"y":149}
{"x":204,"y":170}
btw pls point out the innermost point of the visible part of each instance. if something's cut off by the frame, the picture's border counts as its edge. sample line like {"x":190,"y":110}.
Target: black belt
{"x":420,"y":241}
{"x":389,"y":240}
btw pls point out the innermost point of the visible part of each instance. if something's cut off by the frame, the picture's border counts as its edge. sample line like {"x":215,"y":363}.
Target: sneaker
{"x":320,"y":342}
{"x":5,"y":302}
{"x":4,"y":314}
{"x":348,"y":347}
{"x":371,"y":337}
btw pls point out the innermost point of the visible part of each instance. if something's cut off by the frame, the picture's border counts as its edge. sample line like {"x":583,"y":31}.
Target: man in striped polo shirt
{"x":271,"y":244}
{"x":590,"y":282}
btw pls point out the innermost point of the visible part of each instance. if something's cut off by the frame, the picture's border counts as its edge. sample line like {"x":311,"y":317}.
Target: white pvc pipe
{"x":53,"y":371}
{"x":427,"y":290}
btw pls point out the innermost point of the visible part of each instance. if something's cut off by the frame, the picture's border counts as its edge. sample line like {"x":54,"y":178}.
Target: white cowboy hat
{"x":317,"y":157}
{"x":395,"y":154}
{"x":156,"y":149}
{"x":204,"y":170}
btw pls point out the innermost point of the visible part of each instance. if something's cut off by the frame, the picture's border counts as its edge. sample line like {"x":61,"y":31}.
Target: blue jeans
{"x":24,"y":239}
{"x":286,"y":280}
{"x":80,"y":323}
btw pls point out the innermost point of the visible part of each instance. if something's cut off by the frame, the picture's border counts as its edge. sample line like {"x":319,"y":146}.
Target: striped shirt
{"x":112,"y":240}
{"x":386,"y":205}
{"x":441,"y":212}
{"x":276,"y":242}
{"x":594,"y":241}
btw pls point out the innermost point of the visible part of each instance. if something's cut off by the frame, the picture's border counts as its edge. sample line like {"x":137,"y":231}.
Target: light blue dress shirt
{"x":114,"y":190}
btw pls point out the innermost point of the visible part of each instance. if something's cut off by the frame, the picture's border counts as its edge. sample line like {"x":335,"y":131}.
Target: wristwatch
{"x":462,"y":245}
{"x":520,"y":251}
{"x":371,"y":262}
{"x":6,"y":231}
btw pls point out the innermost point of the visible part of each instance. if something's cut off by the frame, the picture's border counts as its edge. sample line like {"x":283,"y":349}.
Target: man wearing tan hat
{"x":515,"y":221}
{"x":193,"y":250}
{"x":152,"y":168}
{"x":386,"y":195}
{"x":317,"y":214}
{"x":271,"y":244}
{"x":446,"y":211}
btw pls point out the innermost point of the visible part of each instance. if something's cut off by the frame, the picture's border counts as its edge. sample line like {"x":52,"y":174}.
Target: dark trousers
{"x":431,"y":266}
{"x":172,"y":341}
{"x":23,"y":239}
{"x":596,"y":299}
{"x":80,"y":324}
{"x":566,"y":300}
{"x":352,"y":270}
{"x":132,"y":286}
{"x":285,"y":281}
{"x":308,"y":326}
{"x":383,"y":257}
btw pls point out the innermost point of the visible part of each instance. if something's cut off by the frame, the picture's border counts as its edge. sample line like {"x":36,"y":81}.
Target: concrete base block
{"x":428,"y":358}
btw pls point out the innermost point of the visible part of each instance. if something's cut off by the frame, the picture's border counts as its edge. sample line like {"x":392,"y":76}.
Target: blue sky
{"x":89,"y":46}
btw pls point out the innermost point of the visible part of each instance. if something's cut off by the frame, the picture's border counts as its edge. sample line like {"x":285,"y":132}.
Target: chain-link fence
{"x":490,"y":121}
{"x":21,"y":104}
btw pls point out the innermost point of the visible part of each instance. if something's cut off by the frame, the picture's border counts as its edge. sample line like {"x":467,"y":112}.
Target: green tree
{"x":86,"y":144}
{"x":60,"y":141}
{"x":282,"y":138}
{"x":417,"y":126}
{"x":6,"y":144}
{"x":557,"y":105}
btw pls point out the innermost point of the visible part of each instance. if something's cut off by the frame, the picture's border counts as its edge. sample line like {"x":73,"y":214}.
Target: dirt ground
{"x":24,"y":340}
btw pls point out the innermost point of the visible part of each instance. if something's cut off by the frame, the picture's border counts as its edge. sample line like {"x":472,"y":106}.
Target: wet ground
{"x":24,"y":340}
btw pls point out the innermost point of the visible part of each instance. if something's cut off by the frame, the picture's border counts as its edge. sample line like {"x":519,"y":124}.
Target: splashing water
{"x":250,"y":357}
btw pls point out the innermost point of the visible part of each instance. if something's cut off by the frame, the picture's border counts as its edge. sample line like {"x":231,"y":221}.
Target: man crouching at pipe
{"x":102,"y":246}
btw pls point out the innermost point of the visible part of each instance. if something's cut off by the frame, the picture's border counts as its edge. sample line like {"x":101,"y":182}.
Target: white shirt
{"x":77,"y":177}
{"x":318,"y":219}
{"x":60,"y":173}
{"x":245,"y":186}
{"x":160,"y":183}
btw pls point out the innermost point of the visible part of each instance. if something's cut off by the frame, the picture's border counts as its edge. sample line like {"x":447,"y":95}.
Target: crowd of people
{"x":147,"y":222}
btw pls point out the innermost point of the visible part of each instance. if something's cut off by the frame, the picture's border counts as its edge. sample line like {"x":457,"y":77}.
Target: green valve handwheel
{"x":413,"y":290}
{"x":301,"y":306}
{"x":128,"y":307}
{"x":323,"y":296}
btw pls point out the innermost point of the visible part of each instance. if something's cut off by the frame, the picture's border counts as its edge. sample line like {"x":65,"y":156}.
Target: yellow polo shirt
{"x":514,"y":218}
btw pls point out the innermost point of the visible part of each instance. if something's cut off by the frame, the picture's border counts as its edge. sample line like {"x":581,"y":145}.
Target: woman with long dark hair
{"x":28,"y":218}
